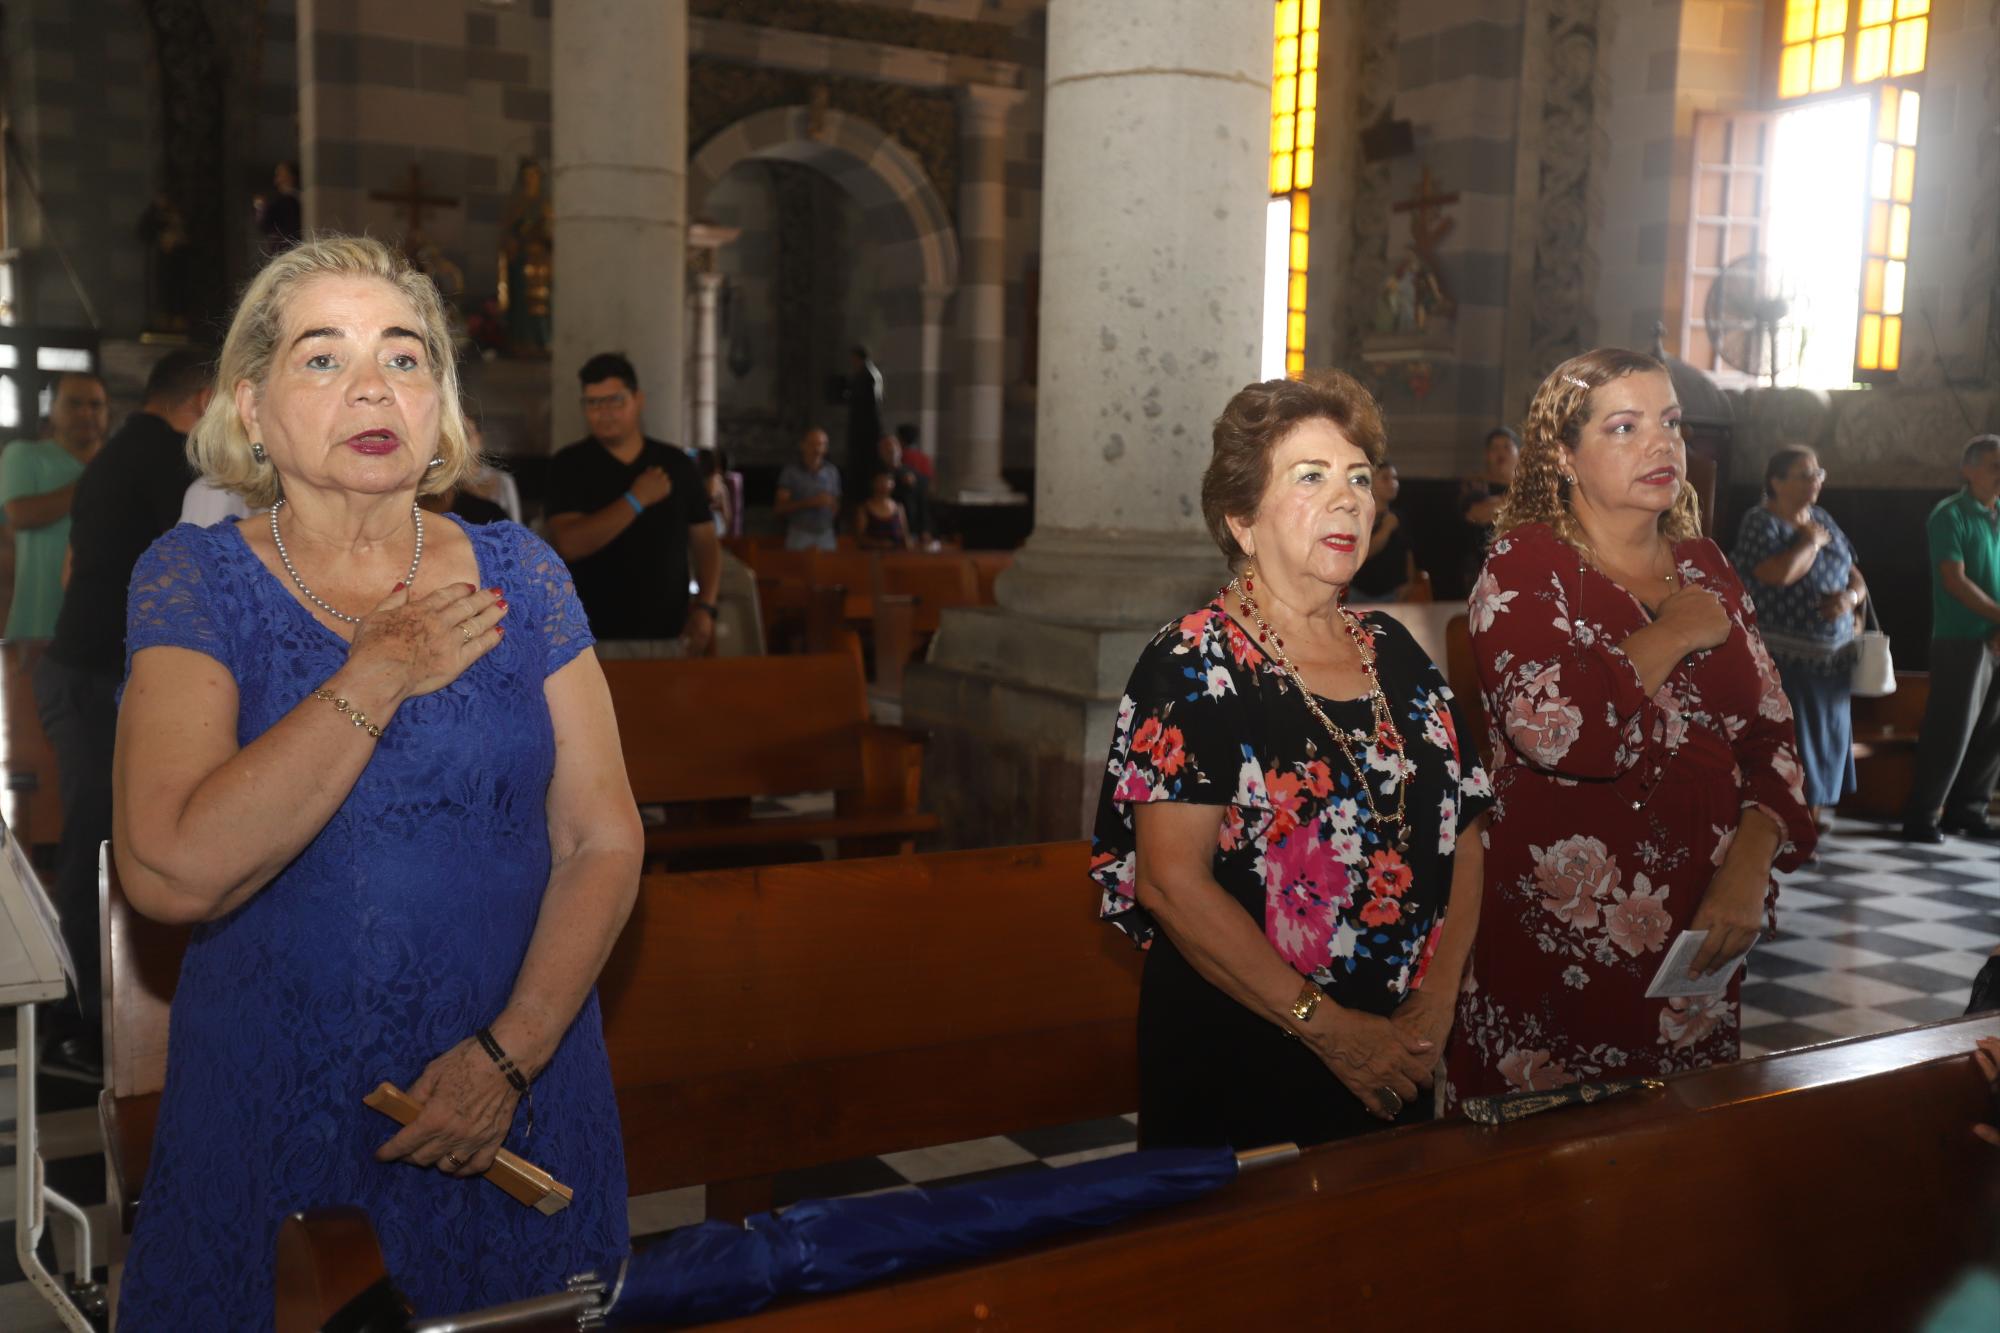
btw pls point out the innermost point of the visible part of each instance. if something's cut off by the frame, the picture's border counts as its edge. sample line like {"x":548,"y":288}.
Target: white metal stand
{"x":32,"y":970}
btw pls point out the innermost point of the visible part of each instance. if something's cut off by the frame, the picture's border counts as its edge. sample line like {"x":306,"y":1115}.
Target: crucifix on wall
{"x":414,"y":202}
{"x":1417,"y":292}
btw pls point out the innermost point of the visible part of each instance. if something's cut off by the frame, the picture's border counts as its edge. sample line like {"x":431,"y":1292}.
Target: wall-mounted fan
{"x":1752,"y":320}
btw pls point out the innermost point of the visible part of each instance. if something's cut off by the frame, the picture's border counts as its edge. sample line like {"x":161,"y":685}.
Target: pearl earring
{"x":257,"y":451}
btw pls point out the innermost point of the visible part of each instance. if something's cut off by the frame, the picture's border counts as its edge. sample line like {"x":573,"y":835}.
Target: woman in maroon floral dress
{"x":1645,"y":779}
{"x":1287,"y":812}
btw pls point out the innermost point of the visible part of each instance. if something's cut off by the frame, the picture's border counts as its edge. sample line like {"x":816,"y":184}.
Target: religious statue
{"x":169,"y":285}
{"x":527,"y":262}
{"x":1411,"y":298}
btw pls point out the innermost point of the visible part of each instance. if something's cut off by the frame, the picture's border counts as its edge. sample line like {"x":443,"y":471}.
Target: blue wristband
{"x":633,"y":500}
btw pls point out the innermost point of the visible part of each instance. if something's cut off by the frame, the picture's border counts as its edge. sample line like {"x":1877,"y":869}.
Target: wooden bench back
{"x":717,"y":727}
{"x":1848,"y":1171}
{"x":765,"y":1020}
{"x":787,"y":1016}
{"x":936,"y":581}
{"x":1833,"y":1187}
{"x":141,"y":968}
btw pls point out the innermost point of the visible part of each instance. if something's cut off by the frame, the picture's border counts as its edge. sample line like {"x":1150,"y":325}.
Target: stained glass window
{"x":1294,"y":121}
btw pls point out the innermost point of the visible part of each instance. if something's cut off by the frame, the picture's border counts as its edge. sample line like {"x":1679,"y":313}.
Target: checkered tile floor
{"x":1877,"y":935}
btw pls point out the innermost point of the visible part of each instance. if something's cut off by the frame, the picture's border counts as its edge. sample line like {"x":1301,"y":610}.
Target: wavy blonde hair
{"x":1555,"y":423}
{"x":219,"y":446}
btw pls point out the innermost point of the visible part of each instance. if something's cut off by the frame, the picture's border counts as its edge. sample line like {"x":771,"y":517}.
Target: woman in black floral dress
{"x":1289,"y":823}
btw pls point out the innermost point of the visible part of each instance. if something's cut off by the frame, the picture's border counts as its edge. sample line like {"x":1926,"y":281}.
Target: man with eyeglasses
{"x":630,"y":514}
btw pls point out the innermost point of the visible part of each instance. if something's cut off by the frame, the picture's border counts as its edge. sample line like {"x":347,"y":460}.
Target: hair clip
{"x":1571,"y":379}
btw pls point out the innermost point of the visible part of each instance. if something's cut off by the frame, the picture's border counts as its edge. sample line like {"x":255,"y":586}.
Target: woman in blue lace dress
{"x":1800,"y":568}
{"x":400,"y":827}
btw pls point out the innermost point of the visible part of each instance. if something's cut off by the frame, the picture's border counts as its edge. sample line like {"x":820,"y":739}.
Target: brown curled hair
{"x":1239,"y":470}
{"x":1555,"y":423}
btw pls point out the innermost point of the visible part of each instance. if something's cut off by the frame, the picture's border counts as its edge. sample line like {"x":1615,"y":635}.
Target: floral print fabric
{"x":1612,"y":811}
{"x":1209,"y":719}
{"x":1789,"y":617}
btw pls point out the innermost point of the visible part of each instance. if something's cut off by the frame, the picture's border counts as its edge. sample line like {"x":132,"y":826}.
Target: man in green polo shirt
{"x":1958,"y":752}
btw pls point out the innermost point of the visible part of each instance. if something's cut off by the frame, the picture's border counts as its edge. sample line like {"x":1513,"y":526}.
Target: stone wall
{"x":456,"y":88}
{"x":1451,"y":69}
{"x":84,"y":108}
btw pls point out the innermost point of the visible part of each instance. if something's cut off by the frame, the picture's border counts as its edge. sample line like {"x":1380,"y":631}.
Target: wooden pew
{"x":720,"y":729}
{"x":767,"y":1020}
{"x":141,"y":967}
{"x":1885,"y":747}
{"x":1461,"y":672}
{"x":911,"y":594}
{"x":1835,"y":1187}
{"x":33,"y":800}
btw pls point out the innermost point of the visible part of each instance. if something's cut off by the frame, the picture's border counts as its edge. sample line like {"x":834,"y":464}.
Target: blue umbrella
{"x":717,"y":1271}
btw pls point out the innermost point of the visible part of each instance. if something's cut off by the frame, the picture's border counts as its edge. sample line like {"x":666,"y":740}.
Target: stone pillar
{"x":978,"y":382}
{"x":705,"y":242}
{"x":619,"y":175}
{"x":1153,"y":200}
{"x":932,"y":367}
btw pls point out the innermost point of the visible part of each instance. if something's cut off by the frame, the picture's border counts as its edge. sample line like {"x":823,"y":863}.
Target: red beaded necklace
{"x":1385,"y":734}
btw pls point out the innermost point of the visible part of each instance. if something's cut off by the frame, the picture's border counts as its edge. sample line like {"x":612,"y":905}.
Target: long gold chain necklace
{"x":1671,"y":578}
{"x":1385,"y":735}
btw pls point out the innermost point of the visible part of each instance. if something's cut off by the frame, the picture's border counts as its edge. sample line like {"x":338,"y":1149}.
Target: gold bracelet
{"x":351,"y":713}
{"x":1302,"y":1008}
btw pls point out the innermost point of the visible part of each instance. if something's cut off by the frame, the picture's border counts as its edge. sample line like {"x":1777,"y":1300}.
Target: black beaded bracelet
{"x":515,"y":1078}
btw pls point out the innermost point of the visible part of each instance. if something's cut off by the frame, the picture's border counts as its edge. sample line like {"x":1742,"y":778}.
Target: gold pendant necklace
{"x":1385,"y":737}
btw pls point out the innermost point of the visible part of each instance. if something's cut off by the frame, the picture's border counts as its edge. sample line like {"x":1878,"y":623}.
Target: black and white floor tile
{"x":1877,"y":935}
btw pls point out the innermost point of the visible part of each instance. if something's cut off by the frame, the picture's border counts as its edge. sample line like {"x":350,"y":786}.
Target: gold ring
{"x":465,"y":630}
{"x":455,"y":1161}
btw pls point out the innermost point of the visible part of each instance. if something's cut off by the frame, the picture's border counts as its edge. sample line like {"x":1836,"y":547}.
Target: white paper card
{"x":1672,"y":979}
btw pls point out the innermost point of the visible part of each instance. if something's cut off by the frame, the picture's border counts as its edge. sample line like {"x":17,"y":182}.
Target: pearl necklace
{"x":409,"y":580}
{"x":1385,"y":734}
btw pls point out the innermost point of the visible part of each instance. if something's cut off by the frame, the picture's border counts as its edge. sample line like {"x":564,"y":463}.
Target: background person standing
{"x":630,"y":514}
{"x":1958,"y":751}
{"x":127,"y":497}
{"x":37,"y":485}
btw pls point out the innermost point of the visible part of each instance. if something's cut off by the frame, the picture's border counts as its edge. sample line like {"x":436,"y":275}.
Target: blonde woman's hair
{"x":1555,"y":423}
{"x":219,"y":447}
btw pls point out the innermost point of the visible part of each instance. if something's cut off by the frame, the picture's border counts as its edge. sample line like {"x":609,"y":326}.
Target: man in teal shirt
{"x":1958,"y":752}
{"x":37,"y":481}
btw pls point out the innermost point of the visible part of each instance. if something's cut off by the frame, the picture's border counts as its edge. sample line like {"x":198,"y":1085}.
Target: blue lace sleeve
{"x":538,"y":583}
{"x":168,"y":602}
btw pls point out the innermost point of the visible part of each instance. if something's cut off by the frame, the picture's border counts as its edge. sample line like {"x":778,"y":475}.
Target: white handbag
{"x":1874,"y":669}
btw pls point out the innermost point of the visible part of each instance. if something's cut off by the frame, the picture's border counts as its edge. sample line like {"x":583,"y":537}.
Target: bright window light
{"x":1819,"y":203}
{"x":1277,"y":285}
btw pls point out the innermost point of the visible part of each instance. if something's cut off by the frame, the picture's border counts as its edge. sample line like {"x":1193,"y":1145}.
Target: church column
{"x":1153,"y":199}
{"x":619,"y":104}
{"x":705,"y":242}
{"x":973,"y":459}
{"x":934,"y":300}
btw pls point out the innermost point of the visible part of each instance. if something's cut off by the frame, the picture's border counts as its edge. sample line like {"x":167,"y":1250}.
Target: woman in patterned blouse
{"x":1288,"y":811}
{"x":1644,"y":775}
{"x":1800,"y":569}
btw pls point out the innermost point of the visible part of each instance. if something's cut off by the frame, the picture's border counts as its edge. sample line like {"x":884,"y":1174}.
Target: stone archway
{"x":917,"y":244}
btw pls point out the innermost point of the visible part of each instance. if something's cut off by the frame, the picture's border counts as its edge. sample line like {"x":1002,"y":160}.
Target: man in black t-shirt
{"x":127,"y":497}
{"x":629,"y":514}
